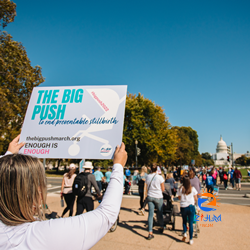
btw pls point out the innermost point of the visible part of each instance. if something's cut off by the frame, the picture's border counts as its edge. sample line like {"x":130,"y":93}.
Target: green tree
{"x":243,"y":160}
{"x":206,"y":156}
{"x":198,"y":161}
{"x":7,"y":12}
{"x":185,"y":147}
{"x":147,"y":123}
{"x":17,"y":79}
{"x":207,"y":159}
{"x":193,"y":137}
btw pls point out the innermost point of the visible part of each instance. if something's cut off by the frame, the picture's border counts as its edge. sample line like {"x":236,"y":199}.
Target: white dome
{"x":221,"y":146}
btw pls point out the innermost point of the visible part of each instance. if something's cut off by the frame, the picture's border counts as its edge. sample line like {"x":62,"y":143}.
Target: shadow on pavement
{"x":125,"y":225}
{"x":130,"y":210}
{"x":132,"y":228}
{"x":127,"y":209}
{"x":172,"y":237}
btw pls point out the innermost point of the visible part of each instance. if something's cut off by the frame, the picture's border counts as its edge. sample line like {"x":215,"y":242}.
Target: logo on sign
{"x":211,"y":203}
{"x":106,"y":150}
{"x":208,"y":218}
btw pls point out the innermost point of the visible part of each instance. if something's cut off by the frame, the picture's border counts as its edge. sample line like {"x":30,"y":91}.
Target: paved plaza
{"x":232,"y":232}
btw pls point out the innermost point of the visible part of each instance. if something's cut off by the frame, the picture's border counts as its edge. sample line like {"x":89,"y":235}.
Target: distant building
{"x":220,"y":157}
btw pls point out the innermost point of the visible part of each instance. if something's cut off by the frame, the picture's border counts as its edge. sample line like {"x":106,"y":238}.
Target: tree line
{"x":243,"y":161}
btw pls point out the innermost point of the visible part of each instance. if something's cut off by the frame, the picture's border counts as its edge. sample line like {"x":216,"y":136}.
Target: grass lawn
{"x":54,"y":173}
{"x":243,"y":172}
{"x":245,"y":177}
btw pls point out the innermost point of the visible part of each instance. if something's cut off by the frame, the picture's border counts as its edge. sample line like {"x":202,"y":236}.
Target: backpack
{"x":204,"y":177}
{"x":238,"y":174}
{"x":210,"y":180}
{"x":225,"y":177}
{"x":80,"y":185}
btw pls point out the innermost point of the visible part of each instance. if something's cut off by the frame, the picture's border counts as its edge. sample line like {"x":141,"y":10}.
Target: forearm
{"x":62,"y":186}
{"x":106,"y":214}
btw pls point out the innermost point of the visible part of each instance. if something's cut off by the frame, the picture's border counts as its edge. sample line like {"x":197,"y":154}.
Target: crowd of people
{"x":21,"y":206}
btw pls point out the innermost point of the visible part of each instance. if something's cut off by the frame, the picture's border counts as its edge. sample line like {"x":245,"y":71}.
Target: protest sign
{"x":84,"y":122}
{"x":81,"y":164}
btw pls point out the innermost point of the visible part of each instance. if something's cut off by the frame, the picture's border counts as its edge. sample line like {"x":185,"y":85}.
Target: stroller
{"x":169,"y":210}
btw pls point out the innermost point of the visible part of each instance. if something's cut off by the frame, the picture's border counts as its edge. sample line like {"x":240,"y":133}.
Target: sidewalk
{"x":231,"y":233}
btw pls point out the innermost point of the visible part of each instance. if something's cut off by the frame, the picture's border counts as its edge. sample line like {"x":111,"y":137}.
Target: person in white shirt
{"x":155,"y":187}
{"x":188,"y":196}
{"x":23,"y":194}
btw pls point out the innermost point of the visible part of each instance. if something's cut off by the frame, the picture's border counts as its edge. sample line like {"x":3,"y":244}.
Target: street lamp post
{"x":232,"y":152}
{"x":136,"y":142}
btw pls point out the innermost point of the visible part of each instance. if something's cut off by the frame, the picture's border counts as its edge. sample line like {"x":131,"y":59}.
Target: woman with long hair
{"x":172,"y":182}
{"x":140,"y":179}
{"x":194,"y":180}
{"x":23,"y":198}
{"x":155,"y":187}
{"x":66,"y":189}
{"x":188,"y":196}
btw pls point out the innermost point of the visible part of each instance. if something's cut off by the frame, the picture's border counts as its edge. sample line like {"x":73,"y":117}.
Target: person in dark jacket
{"x":237,"y":175}
{"x":210,"y":183}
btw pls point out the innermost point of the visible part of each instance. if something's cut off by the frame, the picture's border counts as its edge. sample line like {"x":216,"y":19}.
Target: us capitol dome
{"x":221,"y":146}
{"x":220,"y":157}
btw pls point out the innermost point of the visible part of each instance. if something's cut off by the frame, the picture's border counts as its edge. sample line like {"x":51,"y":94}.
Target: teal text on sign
{"x":47,"y":107}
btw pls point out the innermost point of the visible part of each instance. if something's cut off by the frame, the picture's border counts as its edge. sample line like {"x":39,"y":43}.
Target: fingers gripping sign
{"x":120,"y":155}
{"x":15,"y":146}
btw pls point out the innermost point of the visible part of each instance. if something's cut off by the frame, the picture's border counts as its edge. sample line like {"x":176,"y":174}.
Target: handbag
{"x":146,"y":200}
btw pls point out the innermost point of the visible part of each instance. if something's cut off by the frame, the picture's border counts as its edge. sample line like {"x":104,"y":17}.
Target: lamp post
{"x":136,"y":142}
{"x":232,"y":152}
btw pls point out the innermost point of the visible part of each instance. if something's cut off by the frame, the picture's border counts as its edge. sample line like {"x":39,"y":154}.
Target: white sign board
{"x":74,"y":122}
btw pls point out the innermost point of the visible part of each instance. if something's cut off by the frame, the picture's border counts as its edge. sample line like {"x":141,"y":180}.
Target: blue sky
{"x":190,"y":57}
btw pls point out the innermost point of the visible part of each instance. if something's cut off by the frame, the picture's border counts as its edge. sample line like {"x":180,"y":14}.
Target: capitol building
{"x":220,"y":157}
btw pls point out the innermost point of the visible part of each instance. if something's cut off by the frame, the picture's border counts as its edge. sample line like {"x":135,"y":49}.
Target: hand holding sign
{"x":120,"y":155}
{"x":15,"y":146}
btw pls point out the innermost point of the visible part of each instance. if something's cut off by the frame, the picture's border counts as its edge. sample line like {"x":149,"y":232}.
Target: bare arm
{"x":62,"y":188}
{"x":195,"y":198}
{"x":162,"y":187}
